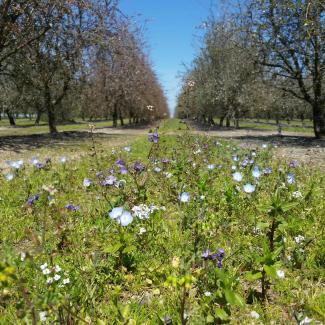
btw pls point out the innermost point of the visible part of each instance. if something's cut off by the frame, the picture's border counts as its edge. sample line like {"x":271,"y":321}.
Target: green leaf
{"x":234,"y":298}
{"x":221,"y":314}
{"x":253,"y":276}
{"x":113,"y":249}
{"x":129,"y":249}
{"x":288,"y":206}
{"x":210,"y":319}
{"x":270,"y":271}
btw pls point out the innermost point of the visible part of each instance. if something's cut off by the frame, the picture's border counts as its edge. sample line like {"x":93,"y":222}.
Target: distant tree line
{"x":62,"y":59}
{"x":264,"y":60}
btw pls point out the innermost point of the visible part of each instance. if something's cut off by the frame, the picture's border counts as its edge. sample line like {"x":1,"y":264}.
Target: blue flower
{"x":184,"y":197}
{"x":124,"y":217}
{"x":237,"y":176}
{"x":249,"y":188}
{"x":291,"y":179}
{"x":267,"y":170}
{"x":256,"y":172}
{"x":87,"y":182}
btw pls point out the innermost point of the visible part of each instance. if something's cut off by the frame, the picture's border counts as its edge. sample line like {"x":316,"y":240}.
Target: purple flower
{"x":69,"y":206}
{"x":111,"y":171}
{"x":165,"y":161}
{"x":120,"y":163}
{"x":75,"y":208}
{"x":206,"y":254}
{"x":293,"y":164}
{"x":32,"y":199}
{"x":139,"y":167}
{"x":110,"y":180}
{"x":100,"y":174}
{"x":267,"y":170}
{"x":39,"y":165}
{"x":153,"y":137}
{"x":123,"y":170}
{"x":47,"y":160}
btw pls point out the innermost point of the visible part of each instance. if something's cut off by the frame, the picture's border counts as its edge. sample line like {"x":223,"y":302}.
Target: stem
{"x":183,"y":302}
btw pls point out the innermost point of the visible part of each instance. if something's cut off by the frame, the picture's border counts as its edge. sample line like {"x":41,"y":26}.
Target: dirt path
{"x":290,"y":146}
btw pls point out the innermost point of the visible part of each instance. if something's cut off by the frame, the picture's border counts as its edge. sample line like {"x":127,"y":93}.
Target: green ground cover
{"x":186,"y":230}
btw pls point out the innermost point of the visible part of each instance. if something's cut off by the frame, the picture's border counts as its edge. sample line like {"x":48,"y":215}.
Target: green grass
{"x":152,"y":269}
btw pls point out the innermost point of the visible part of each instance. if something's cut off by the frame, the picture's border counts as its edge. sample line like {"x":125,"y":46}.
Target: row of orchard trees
{"x":61,"y":59}
{"x":266,"y":60}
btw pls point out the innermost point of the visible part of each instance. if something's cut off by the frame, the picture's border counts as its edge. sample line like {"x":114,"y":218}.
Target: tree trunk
{"x":319,"y":120}
{"x":50,"y":111}
{"x":211,"y":121}
{"x":38,"y":117}
{"x":114,"y":115}
{"x":227,"y":122}
{"x":236,"y":123}
{"x":11,"y":118}
{"x":221,"y":120}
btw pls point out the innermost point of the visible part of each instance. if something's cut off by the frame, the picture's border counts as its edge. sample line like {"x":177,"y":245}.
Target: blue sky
{"x":170,"y":33}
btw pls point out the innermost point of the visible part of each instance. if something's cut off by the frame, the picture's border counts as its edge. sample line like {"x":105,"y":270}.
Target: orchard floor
{"x":291,"y":145}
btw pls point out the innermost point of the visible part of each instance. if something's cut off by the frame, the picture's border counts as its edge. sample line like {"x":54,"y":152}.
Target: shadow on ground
{"x":21,"y":143}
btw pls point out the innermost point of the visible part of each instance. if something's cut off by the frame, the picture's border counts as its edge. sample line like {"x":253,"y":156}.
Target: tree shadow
{"x":284,"y":140}
{"x":19,"y":143}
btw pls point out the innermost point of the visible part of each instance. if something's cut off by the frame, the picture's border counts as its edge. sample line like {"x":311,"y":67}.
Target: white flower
{"x":207,"y":294}
{"x":297,"y":195}
{"x":168,"y":175}
{"x":299,"y":239}
{"x":22,"y":256}
{"x":142,"y":231}
{"x":42,"y":316}
{"x":57,"y":268}
{"x":43,"y":266}
{"x":46,"y":271}
{"x":127,"y":148}
{"x":264,"y":145}
{"x":211,"y":166}
{"x":197,"y":152}
{"x":202,"y":197}
{"x":63,"y":160}
{"x":157,"y":169}
{"x":306,"y":321}
{"x":87,"y":182}
{"x":249,"y":188}
{"x":254,"y":314}
{"x":184,"y":197}
{"x":163,"y":208}
{"x":66,"y":281}
{"x":35,"y":160}
{"x":49,"y":280}
{"x":233,"y":167}
{"x":57,"y":277}
{"x":142,"y":211}
{"x":9,"y":177}
{"x":289,"y":257}
{"x":280,"y":274}
{"x":237,"y":177}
